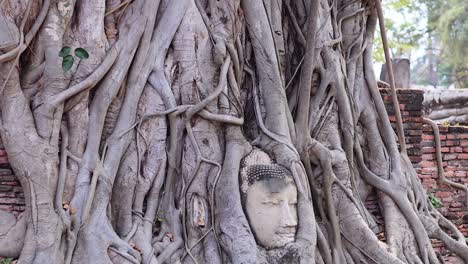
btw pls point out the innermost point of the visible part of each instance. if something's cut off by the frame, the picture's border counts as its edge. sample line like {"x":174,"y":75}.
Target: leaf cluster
{"x":436,"y":203}
{"x":6,"y":261}
{"x":68,"y":59}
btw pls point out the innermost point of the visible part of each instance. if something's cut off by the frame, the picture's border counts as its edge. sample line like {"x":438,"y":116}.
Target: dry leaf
{"x":170,"y":236}
{"x":200,"y":221}
{"x":133,"y":245}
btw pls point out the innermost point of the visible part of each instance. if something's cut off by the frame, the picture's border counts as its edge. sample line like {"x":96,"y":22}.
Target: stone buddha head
{"x":270,"y":199}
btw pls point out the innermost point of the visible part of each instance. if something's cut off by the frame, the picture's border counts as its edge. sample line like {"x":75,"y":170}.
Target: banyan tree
{"x":205,"y":131}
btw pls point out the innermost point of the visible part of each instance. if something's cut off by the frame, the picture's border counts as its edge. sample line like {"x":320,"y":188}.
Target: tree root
{"x":12,"y":234}
{"x":332,"y":133}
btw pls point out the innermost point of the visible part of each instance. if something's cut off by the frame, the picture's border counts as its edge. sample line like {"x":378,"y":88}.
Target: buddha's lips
{"x":288,"y":232}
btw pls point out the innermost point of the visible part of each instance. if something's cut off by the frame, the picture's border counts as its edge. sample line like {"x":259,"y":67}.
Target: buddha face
{"x":271,"y":210}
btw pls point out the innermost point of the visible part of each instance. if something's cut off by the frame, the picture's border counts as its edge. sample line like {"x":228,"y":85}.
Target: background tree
{"x":433,"y":35}
{"x":131,"y":149}
{"x":449,"y":24}
{"x":406,"y":33}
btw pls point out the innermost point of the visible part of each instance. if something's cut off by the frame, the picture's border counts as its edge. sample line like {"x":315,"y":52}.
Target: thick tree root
{"x":133,"y":155}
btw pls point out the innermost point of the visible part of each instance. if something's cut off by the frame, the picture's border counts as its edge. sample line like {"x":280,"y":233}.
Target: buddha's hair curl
{"x":258,"y":166}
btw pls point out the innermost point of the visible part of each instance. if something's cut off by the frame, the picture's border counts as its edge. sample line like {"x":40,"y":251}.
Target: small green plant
{"x":158,"y":221}
{"x":434,"y":201}
{"x":6,"y":261}
{"x":446,"y":123}
{"x":68,"y":59}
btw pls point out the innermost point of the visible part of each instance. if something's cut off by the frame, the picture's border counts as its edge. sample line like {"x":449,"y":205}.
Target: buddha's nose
{"x":288,"y":218}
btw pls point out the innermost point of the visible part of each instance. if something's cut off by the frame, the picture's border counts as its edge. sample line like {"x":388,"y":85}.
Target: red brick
{"x":12,"y":201}
{"x":3,"y":160}
{"x":449,"y":156}
{"x":451,"y":136}
{"x":451,"y":143}
{"x":428,"y":137}
{"x":425,"y":176}
{"x":457,"y":205}
{"x":443,"y":194}
{"x":428,"y":157}
{"x":447,"y":199}
{"x":449,"y":173}
{"x":456,"y":149}
{"x":7,"y":178}
{"x":7,"y":208}
{"x":428,"y":170}
{"x":415,"y":159}
{"x":443,"y":129}
{"x":13,"y":183}
{"x":427,"y":164}
{"x":427,"y":186}
{"x":445,"y":149}
{"x":463,"y":156}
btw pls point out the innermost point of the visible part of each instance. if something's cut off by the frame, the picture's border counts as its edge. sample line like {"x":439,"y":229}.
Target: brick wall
{"x":454,"y":148}
{"x":11,"y":193}
{"x":421,"y":151}
{"x":411,"y":109}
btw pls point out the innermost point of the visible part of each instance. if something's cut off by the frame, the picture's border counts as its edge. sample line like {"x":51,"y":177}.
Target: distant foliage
{"x":436,"y":28}
{"x":404,"y":33}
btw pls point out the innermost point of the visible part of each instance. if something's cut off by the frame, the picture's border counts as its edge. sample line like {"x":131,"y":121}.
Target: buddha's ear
{"x":301,"y":180}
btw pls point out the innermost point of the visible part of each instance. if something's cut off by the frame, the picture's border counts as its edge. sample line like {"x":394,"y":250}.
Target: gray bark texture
{"x":133,"y":155}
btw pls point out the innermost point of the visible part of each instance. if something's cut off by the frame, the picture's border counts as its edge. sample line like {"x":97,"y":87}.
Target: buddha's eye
{"x":271,"y":202}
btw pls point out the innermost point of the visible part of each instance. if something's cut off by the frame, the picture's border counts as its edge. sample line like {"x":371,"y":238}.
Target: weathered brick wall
{"x":11,"y":194}
{"x":421,"y":151}
{"x":411,"y":108}
{"x":454,"y":148}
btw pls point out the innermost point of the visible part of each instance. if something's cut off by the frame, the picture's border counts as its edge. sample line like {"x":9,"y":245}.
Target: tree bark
{"x":135,"y":153}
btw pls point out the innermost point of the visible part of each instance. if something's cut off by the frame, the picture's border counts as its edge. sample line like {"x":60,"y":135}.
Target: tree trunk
{"x":203,"y":131}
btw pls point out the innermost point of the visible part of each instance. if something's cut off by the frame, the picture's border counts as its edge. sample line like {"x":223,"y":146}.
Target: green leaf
{"x":6,"y":261}
{"x":434,"y":201}
{"x":81,"y":53}
{"x":64,"y":51}
{"x":67,"y":62}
